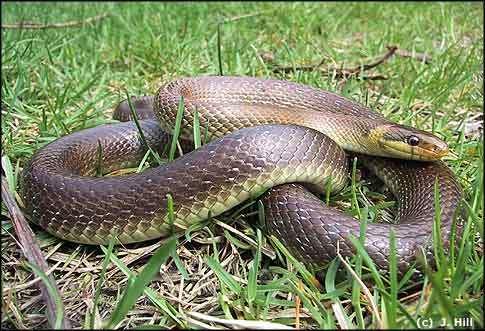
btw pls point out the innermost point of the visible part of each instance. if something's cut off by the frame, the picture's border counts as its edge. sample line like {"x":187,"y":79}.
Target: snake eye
{"x":413,"y":140}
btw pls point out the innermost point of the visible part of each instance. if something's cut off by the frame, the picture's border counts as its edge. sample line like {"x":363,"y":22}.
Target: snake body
{"x":282,"y":138}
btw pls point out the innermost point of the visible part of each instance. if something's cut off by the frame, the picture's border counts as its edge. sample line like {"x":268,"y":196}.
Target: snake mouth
{"x":436,"y":153}
{"x":404,"y":151}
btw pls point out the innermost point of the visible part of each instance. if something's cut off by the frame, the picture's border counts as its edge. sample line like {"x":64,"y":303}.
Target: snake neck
{"x":358,"y":135}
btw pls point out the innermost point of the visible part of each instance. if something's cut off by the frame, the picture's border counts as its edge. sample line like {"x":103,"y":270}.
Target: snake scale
{"x":276,"y":140}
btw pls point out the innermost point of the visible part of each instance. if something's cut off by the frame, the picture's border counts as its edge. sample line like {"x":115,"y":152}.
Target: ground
{"x":66,"y":77}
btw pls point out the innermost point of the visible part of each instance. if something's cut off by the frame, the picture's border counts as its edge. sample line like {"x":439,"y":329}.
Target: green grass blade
{"x":134,"y":116}
{"x":197,"y":138}
{"x":437,"y":242}
{"x":180,"y":265}
{"x":99,"y":160}
{"x":307,"y":276}
{"x":97,"y":292}
{"x":170,"y":213}
{"x":236,"y":241}
{"x":154,"y":297}
{"x":330,"y":279}
{"x":223,"y":276}
{"x":176,"y":130}
{"x":142,"y":162}
{"x":253,"y":271}
{"x":392,"y":302}
{"x":368,"y":261}
{"x":9,"y":174}
{"x":354,"y":201}
{"x":219,"y":51}
{"x":137,"y":285}
{"x":52,"y":292}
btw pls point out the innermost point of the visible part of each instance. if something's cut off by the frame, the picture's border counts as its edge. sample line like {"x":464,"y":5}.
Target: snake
{"x":281,"y":142}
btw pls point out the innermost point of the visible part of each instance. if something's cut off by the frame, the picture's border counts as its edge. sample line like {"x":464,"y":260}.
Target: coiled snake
{"x":267,"y":136}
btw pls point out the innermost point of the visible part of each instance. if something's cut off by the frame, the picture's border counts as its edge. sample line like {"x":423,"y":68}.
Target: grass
{"x":57,"y":81}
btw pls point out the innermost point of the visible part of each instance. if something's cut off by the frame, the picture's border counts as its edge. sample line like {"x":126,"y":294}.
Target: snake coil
{"x":270,"y":136}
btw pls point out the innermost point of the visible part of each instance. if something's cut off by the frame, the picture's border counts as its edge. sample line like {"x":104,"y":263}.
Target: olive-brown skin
{"x":63,"y":196}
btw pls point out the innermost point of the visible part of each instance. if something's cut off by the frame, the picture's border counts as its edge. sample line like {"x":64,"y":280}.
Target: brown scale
{"x":61,"y":197}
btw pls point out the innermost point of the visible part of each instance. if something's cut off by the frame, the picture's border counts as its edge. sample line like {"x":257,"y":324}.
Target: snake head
{"x":405,"y":142}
